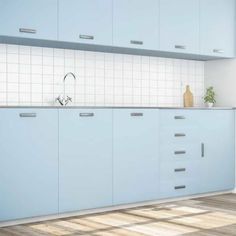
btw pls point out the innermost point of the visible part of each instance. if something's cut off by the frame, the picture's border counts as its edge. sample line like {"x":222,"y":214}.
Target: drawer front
{"x":178,"y":188}
{"x":178,"y":135}
{"x":178,"y":118}
{"x":179,"y":170}
{"x":180,"y":152}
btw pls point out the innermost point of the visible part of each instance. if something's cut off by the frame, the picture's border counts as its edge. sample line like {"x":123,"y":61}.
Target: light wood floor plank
{"x":209,"y":216}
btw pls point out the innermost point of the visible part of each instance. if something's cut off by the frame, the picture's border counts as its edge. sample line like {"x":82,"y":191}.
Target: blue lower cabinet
{"x":85,"y":159}
{"x":28,"y":163}
{"x":217,"y":170}
{"x":204,"y":146}
{"x":135,"y":153}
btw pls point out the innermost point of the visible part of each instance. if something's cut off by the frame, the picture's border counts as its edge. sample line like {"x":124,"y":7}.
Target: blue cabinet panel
{"x":29,"y":19}
{"x":85,"y":159}
{"x":85,"y":21}
{"x":206,"y":151}
{"x":179,"y":26}
{"x":28,"y":163}
{"x":217,"y":28}
{"x":217,"y":170}
{"x":135,"y":153}
{"x":136,"y":24}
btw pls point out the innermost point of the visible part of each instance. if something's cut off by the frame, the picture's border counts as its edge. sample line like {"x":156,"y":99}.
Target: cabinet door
{"x":217,"y":28}
{"x":86,"y":21}
{"x":135,"y":153}
{"x":85,"y":159}
{"x":179,"y":26}
{"x":217,"y":159}
{"x":28,"y":163}
{"x":136,"y":24}
{"x":29,"y":19}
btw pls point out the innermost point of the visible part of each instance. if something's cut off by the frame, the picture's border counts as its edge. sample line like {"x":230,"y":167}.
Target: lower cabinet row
{"x":63,"y":160}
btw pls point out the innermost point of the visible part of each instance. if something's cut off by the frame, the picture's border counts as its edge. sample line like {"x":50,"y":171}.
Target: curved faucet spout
{"x":64,"y":86}
{"x":70,"y":73}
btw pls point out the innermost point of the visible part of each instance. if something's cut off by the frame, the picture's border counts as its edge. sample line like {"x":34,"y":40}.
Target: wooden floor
{"x":209,"y":216}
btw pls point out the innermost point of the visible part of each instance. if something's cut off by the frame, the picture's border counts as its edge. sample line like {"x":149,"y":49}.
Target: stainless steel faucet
{"x":65,"y":99}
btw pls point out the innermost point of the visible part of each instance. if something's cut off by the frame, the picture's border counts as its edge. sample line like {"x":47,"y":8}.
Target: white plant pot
{"x":210,"y":104}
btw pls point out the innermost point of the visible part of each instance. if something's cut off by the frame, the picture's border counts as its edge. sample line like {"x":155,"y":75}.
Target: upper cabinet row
{"x":198,"y":27}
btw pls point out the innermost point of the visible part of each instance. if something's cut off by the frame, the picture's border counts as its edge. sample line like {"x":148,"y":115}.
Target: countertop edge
{"x":116,"y":107}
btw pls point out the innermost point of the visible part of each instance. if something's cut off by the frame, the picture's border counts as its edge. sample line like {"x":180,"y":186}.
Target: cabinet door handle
{"x":180,"y":47}
{"x":136,"y":42}
{"x":179,"y":117}
{"x":202,"y":149}
{"x":180,"y":170}
{"x":136,"y":114}
{"x":32,"y":115}
{"x":218,"y":51}
{"x":86,"y":114}
{"x":180,"y":135}
{"x":180,"y":152}
{"x":89,"y":37}
{"x":27,"y":31}
{"x":180,"y":187}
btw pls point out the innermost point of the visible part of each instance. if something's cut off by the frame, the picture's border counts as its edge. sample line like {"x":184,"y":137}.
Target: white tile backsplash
{"x":34,"y":75}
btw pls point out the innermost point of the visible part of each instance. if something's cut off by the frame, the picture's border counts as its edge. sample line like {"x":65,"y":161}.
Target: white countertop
{"x":114,"y":107}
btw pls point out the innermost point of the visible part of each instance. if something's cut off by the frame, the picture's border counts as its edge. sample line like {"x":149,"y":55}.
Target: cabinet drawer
{"x":178,"y":118}
{"x":180,"y":152}
{"x":179,"y":170}
{"x":178,"y":135}
{"x":178,"y":188}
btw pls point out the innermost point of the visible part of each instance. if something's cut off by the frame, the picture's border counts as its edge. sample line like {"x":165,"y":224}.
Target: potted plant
{"x":209,"y":97}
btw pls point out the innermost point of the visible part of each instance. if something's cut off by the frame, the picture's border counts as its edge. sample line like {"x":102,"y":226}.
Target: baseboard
{"x":107,"y":209}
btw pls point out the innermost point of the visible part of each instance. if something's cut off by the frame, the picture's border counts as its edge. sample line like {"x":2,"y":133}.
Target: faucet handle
{"x":67,"y":100}
{"x":60,"y":99}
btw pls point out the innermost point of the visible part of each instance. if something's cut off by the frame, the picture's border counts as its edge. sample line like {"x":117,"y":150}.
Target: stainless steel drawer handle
{"x":27,"y":31}
{"x":28,"y":115}
{"x":180,"y":47}
{"x":86,"y":114}
{"x":180,"y":170}
{"x":179,"y":117}
{"x":202,"y":149}
{"x":180,"y":135}
{"x":136,"y":114}
{"x":136,"y":42}
{"x":218,"y":51}
{"x":180,"y":152}
{"x":180,"y":187}
{"x":89,"y":37}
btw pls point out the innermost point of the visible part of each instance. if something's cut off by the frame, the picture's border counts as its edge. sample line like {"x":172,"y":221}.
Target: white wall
{"x":221,"y":74}
{"x":33,"y":76}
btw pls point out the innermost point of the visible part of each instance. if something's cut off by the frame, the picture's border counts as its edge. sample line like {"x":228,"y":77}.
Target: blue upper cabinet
{"x":28,"y":162}
{"x":217,"y":28}
{"x":29,"y":19}
{"x":85,"y":21}
{"x":135,"y":155}
{"x":136,"y":24}
{"x":85,"y":159}
{"x":179,"y":26}
{"x":217,"y":171}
